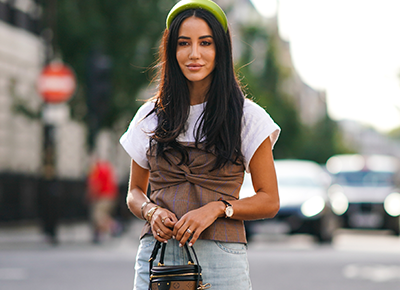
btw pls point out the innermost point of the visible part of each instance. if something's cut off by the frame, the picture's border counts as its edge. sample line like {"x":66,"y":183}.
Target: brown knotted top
{"x":182,"y":188}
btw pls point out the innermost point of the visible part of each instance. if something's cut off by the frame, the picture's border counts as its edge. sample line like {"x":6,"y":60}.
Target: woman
{"x":193,"y":141}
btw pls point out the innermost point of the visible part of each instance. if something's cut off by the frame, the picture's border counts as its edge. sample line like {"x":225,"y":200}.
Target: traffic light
{"x":99,"y":91}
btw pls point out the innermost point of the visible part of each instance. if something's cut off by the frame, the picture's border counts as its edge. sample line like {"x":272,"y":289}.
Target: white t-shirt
{"x":257,"y":125}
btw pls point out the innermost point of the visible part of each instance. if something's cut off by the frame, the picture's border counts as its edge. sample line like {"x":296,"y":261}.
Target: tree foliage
{"x":127,"y":31}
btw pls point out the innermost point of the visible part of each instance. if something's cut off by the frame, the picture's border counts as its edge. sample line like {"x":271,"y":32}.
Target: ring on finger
{"x":163,"y":219}
{"x":158,"y":232}
{"x":189,"y":231}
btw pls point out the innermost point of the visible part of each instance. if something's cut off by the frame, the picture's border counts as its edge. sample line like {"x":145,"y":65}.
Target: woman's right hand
{"x":162,"y":223}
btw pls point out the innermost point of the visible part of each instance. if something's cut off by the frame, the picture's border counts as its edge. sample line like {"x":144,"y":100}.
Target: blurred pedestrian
{"x":192,"y":142}
{"x":103,"y":196}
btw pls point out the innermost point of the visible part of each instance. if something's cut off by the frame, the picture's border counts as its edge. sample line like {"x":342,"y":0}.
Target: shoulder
{"x":252,"y":110}
{"x":135,"y":139}
{"x":145,"y":109}
{"x":256,"y":119}
{"x":141,"y":118}
{"x":257,"y":125}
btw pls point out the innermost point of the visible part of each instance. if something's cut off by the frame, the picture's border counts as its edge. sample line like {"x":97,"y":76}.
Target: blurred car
{"x":304,"y":203}
{"x":364,"y":192}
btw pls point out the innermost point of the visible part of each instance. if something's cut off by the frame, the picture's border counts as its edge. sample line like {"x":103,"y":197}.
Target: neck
{"x":198,"y":91}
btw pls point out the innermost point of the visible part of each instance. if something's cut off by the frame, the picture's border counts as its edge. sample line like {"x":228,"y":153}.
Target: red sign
{"x":56,"y":83}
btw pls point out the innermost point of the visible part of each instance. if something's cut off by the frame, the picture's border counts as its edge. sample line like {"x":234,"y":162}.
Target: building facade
{"x":21,"y":59}
{"x":22,"y":56}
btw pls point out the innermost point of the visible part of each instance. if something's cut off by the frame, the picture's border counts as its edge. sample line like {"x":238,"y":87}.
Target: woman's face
{"x":196,"y":50}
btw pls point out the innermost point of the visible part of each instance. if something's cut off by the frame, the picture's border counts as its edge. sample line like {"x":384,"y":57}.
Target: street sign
{"x":55,"y":114}
{"x":56,"y":83}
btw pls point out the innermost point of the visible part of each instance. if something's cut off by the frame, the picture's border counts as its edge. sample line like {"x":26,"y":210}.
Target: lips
{"x":194,"y":66}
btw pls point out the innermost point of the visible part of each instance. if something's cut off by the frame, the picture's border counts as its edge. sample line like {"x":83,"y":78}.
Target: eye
{"x":183,"y":43}
{"x":205,"y":43}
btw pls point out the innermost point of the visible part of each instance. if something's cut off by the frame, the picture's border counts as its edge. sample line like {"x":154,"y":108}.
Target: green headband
{"x":196,"y":4}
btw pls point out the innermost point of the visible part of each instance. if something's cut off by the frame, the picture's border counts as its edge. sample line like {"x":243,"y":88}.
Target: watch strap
{"x":224,"y":201}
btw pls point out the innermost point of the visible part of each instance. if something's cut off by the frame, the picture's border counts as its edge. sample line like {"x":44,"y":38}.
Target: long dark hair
{"x":220,"y":125}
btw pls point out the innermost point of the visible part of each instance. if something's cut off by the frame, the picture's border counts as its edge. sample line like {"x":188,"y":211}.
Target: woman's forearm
{"x":138,"y":203}
{"x":259,"y":206}
{"x":136,"y":196}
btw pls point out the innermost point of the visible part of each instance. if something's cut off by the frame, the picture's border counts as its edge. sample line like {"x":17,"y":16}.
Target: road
{"x":301,"y":264}
{"x":355,"y":260}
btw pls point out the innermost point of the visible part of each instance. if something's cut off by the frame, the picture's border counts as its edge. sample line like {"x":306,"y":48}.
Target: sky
{"x":350,"y":49}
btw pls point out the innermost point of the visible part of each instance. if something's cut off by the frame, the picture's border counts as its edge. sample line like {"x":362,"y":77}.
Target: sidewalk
{"x":29,"y":235}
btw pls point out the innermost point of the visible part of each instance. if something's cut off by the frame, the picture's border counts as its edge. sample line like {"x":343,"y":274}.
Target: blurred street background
{"x":354,"y":260}
{"x":72,"y":75}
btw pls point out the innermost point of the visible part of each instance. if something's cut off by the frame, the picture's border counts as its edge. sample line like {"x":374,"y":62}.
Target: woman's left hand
{"x":193,"y":223}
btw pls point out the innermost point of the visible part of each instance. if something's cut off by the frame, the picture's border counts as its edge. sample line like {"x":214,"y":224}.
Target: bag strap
{"x":153,"y":256}
{"x":157,"y":247}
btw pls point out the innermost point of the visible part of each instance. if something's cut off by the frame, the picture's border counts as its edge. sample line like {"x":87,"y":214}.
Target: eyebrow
{"x":201,"y":37}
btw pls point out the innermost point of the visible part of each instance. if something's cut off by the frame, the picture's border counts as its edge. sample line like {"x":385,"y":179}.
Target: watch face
{"x":229,"y":211}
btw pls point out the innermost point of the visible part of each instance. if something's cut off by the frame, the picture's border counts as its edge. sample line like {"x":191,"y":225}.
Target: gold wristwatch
{"x":228,"y":209}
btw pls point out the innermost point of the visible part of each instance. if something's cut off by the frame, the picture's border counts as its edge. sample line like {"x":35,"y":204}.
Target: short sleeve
{"x":135,"y":140}
{"x":257,"y":125}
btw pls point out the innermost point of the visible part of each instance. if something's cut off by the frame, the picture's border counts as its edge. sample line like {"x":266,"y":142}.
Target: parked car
{"x":304,"y":203}
{"x":364,"y":192}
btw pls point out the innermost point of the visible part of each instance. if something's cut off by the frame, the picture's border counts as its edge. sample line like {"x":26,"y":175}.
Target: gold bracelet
{"x":142,"y":207}
{"x":151,"y":212}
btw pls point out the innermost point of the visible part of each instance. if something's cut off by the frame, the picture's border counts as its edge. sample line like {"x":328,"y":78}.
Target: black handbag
{"x":182,"y":277}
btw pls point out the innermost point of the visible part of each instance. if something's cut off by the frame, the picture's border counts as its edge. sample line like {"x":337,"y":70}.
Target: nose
{"x":195,"y":52}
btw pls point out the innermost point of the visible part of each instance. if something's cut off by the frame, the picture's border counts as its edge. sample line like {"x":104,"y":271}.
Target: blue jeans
{"x":224,"y":265}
